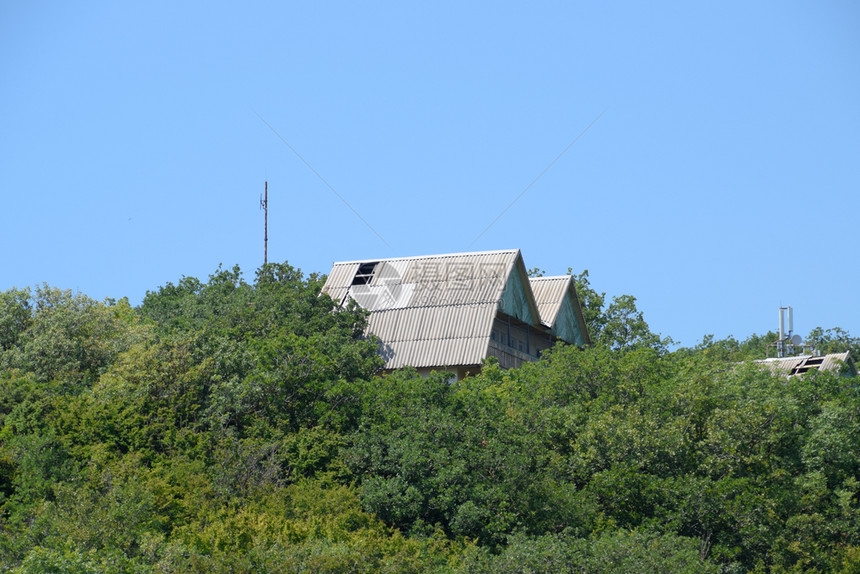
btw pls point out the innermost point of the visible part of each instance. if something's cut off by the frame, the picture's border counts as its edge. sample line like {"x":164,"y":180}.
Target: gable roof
{"x":436,"y":310}
{"x":559,"y":308}
{"x":839,"y":362}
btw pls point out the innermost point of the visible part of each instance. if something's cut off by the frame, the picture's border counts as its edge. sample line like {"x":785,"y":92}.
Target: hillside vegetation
{"x":228,"y":426}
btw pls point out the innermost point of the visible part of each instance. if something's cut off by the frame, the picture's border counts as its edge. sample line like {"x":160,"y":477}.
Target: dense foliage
{"x":226,"y":426}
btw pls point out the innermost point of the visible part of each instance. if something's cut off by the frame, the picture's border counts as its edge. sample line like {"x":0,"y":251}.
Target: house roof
{"x":437,"y":310}
{"x":556,"y":297}
{"x":803,"y":363}
{"x":559,"y":308}
{"x":428,"y":311}
{"x":426,"y":281}
{"x":549,"y":293}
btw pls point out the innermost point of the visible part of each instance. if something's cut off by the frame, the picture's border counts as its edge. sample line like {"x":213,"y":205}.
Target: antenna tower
{"x":264,"y":204}
{"x":787,"y":344}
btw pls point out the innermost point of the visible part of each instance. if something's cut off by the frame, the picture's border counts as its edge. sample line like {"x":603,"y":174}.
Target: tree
{"x":625,"y":328}
{"x":234,"y":426}
{"x":284,"y":355}
{"x":834,"y":340}
{"x":71,"y":338}
{"x":631,"y":552}
{"x":16,"y":315}
{"x":591,"y":303}
{"x":620,"y":325}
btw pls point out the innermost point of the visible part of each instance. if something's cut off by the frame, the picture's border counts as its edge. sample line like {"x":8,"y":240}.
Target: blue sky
{"x":719,"y":181}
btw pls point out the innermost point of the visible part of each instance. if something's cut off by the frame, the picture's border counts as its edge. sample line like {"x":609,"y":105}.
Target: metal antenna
{"x":264,"y":205}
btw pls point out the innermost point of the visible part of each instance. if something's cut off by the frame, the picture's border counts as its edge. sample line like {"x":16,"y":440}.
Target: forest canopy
{"x":234,"y":426}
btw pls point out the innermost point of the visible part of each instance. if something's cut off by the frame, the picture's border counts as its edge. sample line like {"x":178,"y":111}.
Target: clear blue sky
{"x":720,"y":182}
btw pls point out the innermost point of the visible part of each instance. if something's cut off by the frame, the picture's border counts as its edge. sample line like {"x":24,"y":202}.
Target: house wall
{"x":514,"y":342}
{"x":508,"y":358}
{"x":567,"y":325}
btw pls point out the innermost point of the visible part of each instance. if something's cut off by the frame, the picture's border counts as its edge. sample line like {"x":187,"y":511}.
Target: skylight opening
{"x":365,"y":273}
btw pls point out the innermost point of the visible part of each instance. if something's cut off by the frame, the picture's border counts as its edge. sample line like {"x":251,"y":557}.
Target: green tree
{"x":69,"y":337}
{"x":630,"y":552}
{"x":459,"y":455}
{"x":591,"y":302}
{"x":618,"y":325}
{"x":16,"y":315}
{"x":834,"y":340}
{"x":284,"y":355}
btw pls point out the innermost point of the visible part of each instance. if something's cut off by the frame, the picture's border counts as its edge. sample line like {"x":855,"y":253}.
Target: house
{"x":797,"y":365}
{"x":450,"y":312}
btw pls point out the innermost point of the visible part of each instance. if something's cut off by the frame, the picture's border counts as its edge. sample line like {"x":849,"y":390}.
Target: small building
{"x":450,"y":312}
{"x":800,"y":364}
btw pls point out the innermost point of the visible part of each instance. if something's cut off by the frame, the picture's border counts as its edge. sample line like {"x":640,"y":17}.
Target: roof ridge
{"x":436,"y":256}
{"x":555,"y":277}
{"x":448,"y":305}
{"x":487,"y":336}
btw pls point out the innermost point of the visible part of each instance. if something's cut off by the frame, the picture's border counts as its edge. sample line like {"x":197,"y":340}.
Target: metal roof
{"x":433,"y":336}
{"x":438,"y":310}
{"x":552,"y":295}
{"x":457,"y":256}
{"x":339,"y":280}
{"x":803,"y":363}
{"x":428,"y":311}
{"x":549,"y":293}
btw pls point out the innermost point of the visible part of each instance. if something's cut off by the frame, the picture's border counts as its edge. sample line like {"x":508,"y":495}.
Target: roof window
{"x":365,"y":273}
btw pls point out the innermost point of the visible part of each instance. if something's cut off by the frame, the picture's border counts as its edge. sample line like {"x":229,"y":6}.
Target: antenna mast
{"x":264,"y":203}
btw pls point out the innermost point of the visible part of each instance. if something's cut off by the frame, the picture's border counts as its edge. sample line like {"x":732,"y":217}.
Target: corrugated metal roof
{"x":337,"y":284}
{"x":426,"y":281}
{"x":478,"y":254}
{"x":432,"y":323}
{"x":549,"y":293}
{"x":418,"y":354}
{"x":438,"y":310}
{"x":804,"y":363}
{"x":835,"y":361}
{"x":428,"y":311}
